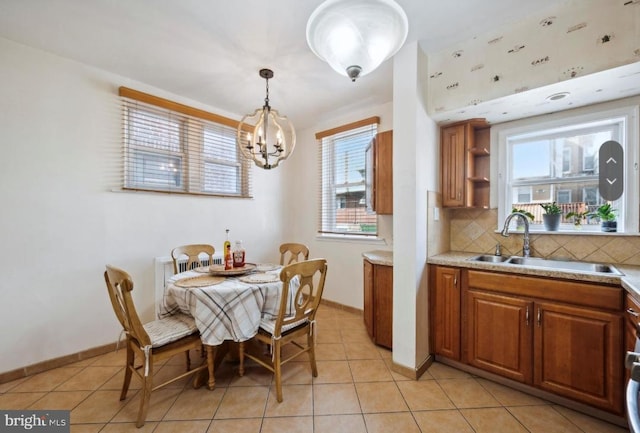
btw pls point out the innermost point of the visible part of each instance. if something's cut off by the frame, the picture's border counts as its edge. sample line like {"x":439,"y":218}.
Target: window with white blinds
{"x":170,"y":147}
{"x":343,"y":186}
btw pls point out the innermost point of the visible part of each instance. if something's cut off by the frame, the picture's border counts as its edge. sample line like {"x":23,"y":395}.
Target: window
{"x":170,"y":147}
{"x":343,"y":179}
{"x":558,"y":160}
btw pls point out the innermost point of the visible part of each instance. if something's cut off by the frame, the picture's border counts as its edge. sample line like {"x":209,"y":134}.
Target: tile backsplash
{"x":474,"y":230}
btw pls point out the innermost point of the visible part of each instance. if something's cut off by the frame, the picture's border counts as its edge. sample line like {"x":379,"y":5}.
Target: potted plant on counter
{"x":577,"y":218}
{"x":607,"y":217}
{"x":519,"y":222}
{"x":551,"y":217}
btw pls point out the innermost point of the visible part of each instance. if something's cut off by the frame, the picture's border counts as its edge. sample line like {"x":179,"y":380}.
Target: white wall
{"x":344,"y":283}
{"x":61,"y":223}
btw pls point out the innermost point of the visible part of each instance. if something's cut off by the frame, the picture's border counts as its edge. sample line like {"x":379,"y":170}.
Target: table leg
{"x":211,"y":353}
{"x":241,"y":356}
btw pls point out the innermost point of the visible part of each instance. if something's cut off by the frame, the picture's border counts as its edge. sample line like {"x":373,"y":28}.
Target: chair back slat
{"x":120,"y":286}
{"x":293,"y":252}
{"x":193,"y":255}
{"x":306,"y":280}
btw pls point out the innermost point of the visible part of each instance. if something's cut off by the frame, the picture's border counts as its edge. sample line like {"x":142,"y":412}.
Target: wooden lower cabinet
{"x":578,"y":353}
{"x":378,"y":303}
{"x":499,"y":337}
{"x":445,"y":311}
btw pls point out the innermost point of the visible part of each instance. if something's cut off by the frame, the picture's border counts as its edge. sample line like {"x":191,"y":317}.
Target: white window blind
{"x":343,"y":183}
{"x":173,"y":148}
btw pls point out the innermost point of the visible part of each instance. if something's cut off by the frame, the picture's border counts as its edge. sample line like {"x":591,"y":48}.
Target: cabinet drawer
{"x":573,"y":292}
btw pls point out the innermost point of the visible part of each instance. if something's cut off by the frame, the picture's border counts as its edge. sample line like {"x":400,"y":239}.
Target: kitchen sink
{"x":568,"y":265}
{"x":489,"y":258}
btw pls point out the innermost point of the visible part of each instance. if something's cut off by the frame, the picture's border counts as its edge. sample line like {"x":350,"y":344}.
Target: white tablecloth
{"x":230,"y":310}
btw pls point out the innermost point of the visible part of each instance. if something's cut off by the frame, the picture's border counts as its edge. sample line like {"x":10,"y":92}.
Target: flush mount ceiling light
{"x":356,"y":36}
{"x":265,"y":137}
{"x":557,"y":96}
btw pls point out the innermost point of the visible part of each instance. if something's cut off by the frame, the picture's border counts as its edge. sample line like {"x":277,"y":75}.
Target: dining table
{"x":227,"y":305}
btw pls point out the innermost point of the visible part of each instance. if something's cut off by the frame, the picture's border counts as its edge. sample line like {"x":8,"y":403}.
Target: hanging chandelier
{"x":356,"y":36}
{"x":265,"y":137}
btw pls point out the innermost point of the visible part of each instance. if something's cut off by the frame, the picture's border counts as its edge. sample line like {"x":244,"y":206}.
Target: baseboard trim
{"x":411,"y":373}
{"x":61,"y":361}
{"x":341,"y":307}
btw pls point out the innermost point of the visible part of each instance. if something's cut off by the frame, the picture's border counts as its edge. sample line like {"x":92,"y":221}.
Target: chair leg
{"x":312,"y":355}
{"x":241,"y":359}
{"x":147,"y":386}
{"x":277,"y":367}
{"x":128,"y":370}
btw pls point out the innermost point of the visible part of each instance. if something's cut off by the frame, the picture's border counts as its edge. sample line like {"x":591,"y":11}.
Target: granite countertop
{"x":630,"y":281}
{"x":379,"y":257}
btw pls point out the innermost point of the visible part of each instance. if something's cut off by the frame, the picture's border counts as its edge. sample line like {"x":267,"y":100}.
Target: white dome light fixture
{"x":266,"y":137}
{"x":356,"y":36}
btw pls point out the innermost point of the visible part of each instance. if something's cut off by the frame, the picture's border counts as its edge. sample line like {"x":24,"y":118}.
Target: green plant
{"x":577,"y":217}
{"x":604,"y":212}
{"x":551,"y":208}
{"x":524,"y":212}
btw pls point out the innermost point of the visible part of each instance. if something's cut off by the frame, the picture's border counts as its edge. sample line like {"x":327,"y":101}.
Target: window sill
{"x":351,"y":239}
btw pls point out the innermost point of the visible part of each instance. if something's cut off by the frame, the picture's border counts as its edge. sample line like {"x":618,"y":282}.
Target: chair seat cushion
{"x":269,"y":325}
{"x":170,"y":329}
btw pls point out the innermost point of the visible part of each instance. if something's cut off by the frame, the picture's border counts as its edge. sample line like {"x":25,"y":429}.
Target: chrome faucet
{"x":526,"y":251}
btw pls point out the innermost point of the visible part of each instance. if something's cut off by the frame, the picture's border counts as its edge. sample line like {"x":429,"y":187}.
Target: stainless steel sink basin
{"x":567,"y":265}
{"x":489,"y":258}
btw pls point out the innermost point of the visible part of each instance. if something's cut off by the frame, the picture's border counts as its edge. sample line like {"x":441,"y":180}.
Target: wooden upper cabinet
{"x":465,"y":166}
{"x":380,"y":161}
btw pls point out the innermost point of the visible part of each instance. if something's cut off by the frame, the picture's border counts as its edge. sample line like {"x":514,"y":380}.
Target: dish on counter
{"x":264,"y":267}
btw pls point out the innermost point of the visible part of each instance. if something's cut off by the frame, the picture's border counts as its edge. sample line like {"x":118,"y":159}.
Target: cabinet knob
{"x":539,"y":317}
{"x":633,"y":312}
{"x":526,"y":316}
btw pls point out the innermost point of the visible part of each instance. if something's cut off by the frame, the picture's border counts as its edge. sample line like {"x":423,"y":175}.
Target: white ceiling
{"x":211,"y":51}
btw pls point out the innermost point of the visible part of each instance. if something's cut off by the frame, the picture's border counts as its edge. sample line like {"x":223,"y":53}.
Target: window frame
{"x":593,"y":114}
{"x":194,"y":127}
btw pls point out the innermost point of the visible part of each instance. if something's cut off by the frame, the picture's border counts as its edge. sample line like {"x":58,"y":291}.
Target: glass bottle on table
{"x":238,"y":255}
{"x":228,"y":258}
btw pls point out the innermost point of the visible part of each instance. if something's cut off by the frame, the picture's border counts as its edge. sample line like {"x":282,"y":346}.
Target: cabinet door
{"x":368,"y":297}
{"x":453,"y":166}
{"x":579,"y":354}
{"x":445,"y":312}
{"x":499,"y":334}
{"x":383,"y":173}
{"x":383,"y":305}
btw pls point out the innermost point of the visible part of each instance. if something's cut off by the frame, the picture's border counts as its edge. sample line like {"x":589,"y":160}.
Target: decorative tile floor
{"x":355,"y":392}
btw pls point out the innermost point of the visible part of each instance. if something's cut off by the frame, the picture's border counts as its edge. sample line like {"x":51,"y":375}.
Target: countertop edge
{"x":630,"y":281}
{"x":379,"y":257}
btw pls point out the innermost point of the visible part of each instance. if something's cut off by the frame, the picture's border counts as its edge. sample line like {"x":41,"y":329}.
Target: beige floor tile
{"x":351,"y":335}
{"x":8,"y":386}
{"x":254,"y":375}
{"x":492,"y":420}
{"x":333,"y":372}
{"x":380,"y":397}
{"x":99,"y":407}
{"x":183,"y":427}
{"x":361,"y":351}
{"x":509,"y":396}
{"x":46,"y":381}
{"x":467,"y":393}
{"x":385,"y":353}
{"x":19,"y":400}
{"x":89,"y":378}
{"x":297,"y":373}
{"x":328,"y":336}
{"x":543,"y":419}
{"x":194,"y":404}
{"x":370,"y":370}
{"x":66,"y":400}
{"x":243,"y":402}
{"x":339,"y":424}
{"x":297,"y":400}
{"x":159,"y":403}
{"x":168,"y":372}
{"x":401,"y":422}
{"x":333,"y":399}
{"x":424,"y":395}
{"x":116,"y":381}
{"x":88,"y":428}
{"x":128,"y":427}
{"x":295,"y":424}
{"x":441,"y":421}
{"x":249,"y":425}
{"x":441,"y":371}
{"x":330,"y":352}
{"x":589,"y":424}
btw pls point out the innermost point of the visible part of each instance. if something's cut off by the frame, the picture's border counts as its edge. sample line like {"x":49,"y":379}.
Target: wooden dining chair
{"x":292,"y":252}
{"x":151,"y":342}
{"x":302,"y":286}
{"x":192,"y":252}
